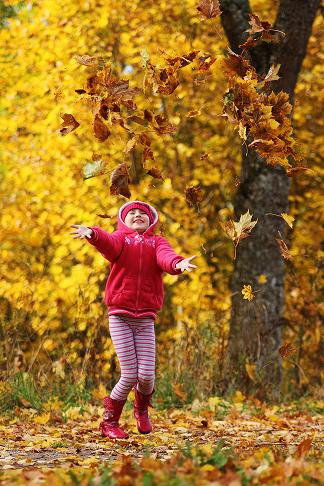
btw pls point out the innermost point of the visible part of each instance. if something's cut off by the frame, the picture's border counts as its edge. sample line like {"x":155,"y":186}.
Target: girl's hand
{"x":185,"y":265}
{"x":81,"y":231}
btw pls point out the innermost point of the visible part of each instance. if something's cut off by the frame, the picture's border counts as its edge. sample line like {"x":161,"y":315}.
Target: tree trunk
{"x":255,"y":327}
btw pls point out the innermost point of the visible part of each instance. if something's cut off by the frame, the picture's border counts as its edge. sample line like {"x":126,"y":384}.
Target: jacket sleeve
{"x":166,"y":257}
{"x":108,"y":244}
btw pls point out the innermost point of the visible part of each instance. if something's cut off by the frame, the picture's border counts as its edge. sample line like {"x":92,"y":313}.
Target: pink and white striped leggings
{"x":134,"y":342}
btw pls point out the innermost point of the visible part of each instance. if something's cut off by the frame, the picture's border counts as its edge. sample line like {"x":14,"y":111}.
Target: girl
{"x":133,"y":295}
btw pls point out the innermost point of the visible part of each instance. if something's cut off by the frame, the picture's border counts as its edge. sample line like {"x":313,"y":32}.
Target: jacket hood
{"x":125,"y":229}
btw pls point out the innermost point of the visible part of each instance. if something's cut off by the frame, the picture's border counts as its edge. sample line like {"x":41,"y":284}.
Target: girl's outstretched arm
{"x":108,"y":244}
{"x":166,"y":257}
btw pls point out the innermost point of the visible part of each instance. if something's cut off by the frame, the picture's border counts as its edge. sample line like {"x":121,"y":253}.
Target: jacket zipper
{"x":139,"y":275}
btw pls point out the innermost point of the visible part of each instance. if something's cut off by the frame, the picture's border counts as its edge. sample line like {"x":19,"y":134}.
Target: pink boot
{"x":109,"y":426}
{"x":141,"y":404}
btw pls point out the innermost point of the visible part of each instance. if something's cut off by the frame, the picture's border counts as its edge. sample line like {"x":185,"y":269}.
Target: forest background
{"x":54,"y":330}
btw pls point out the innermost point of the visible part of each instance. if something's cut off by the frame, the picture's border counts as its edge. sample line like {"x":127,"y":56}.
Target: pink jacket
{"x":137,"y":262}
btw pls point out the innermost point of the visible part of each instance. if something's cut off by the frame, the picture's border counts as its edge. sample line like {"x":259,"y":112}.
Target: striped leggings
{"x":134,"y":342}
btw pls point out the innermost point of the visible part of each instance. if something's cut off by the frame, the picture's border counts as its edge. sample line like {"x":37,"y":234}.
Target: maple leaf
{"x":235,"y":64}
{"x":119,"y":181}
{"x":303,"y":447}
{"x":182,"y":61}
{"x":257,"y":25}
{"x":244,"y":225}
{"x":286,"y":350}
{"x":237,"y":231}
{"x":289,"y":219}
{"x":284,"y":249}
{"x":69,"y":124}
{"x":247,"y":292}
{"x":209,"y":8}
{"x":272,"y":75}
{"x":260,"y":31}
{"x":155,"y":172}
{"x":193,"y":195}
{"x":295,"y":170}
{"x":101,"y":131}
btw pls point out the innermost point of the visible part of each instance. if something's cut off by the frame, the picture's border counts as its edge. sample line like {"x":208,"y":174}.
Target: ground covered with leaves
{"x":212,"y":442}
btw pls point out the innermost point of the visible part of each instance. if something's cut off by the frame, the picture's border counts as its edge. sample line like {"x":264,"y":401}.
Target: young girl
{"x":133,"y":294}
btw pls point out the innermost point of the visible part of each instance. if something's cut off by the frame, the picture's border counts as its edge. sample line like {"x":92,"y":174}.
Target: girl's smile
{"x":137,"y":220}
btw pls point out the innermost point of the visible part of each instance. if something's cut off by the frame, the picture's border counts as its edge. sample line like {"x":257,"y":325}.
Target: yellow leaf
{"x":250,"y":369}
{"x":289,"y":219}
{"x":238,"y":397}
{"x":247,"y":292}
{"x":207,"y":467}
{"x":42,"y":419}
{"x":262,"y":279}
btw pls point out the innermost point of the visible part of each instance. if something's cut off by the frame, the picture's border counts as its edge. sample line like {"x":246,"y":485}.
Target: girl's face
{"x":138,"y":220}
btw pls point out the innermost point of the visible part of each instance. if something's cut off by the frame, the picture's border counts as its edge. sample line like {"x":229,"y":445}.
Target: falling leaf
{"x":247,"y":292}
{"x":101,"y":131}
{"x":104,"y":216}
{"x":296,"y":170}
{"x":119,"y":181}
{"x":244,"y":225}
{"x":130,"y":144}
{"x":272,"y":74}
{"x":257,"y":25}
{"x":193,"y":195}
{"x":262,"y":279}
{"x":286,"y":350}
{"x":193,"y":113}
{"x":284,"y":249}
{"x":93,"y":169}
{"x":87,"y":60}
{"x":289,"y":219}
{"x":250,"y":369}
{"x":155,"y":172}
{"x":69,"y":124}
{"x":209,"y":8}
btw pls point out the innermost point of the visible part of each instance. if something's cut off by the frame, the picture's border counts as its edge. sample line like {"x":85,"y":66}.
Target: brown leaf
{"x":69,"y":124}
{"x":284,"y":249}
{"x":303,"y":447}
{"x":155,"y":172}
{"x":272,"y":74}
{"x":104,"y":216}
{"x":295,"y":171}
{"x":182,"y":61}
{"x":193,"y":195}
{"x":131,"y":144}
{"x":86,"y":60}
{"x":119,"y":181}
{"x":209,"y":8}
{"x":234,"y":64}
{"x":286,"y":350}
{"x":101,"y":131}
{"x":257,"y":25}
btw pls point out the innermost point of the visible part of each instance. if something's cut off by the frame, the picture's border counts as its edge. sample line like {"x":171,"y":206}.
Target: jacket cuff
{"x":93,"y":237}
{"x":175,"y":261}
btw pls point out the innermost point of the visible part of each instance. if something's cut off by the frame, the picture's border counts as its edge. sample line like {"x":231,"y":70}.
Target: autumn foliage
{"x":98,"y":114}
